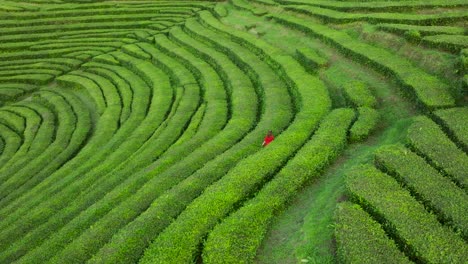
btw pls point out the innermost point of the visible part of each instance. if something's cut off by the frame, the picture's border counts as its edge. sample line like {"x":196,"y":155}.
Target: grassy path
{"x":304,"y":231}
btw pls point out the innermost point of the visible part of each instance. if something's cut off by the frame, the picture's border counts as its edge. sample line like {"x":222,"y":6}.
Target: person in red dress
{"x":268,"y":138}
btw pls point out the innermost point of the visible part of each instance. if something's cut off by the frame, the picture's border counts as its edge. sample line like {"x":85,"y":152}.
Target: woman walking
{"x":268,"y":138}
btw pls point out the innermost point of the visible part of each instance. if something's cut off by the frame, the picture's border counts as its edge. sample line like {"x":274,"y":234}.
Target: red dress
{"x":268,"y":140}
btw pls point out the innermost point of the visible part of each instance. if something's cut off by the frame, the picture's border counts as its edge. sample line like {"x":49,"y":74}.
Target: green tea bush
{"x":332,"y":16}
{"x":375,"y":6}
{"x":123,"y":88}
{"x":163,"y":96}
{"x":114,"y":219}
{"x":417,"y":231}
{"x":413,"y":35}
{"x":15,"y":121}
{"x":423,"y":30}
{"x":12,"y":143}
{"x":172,"y":202}
{"x":56,"y":145}
{"x":424,"y":88}
{"x":310,"y":59}
{"x":427,"y":139}
{"x":244,"y":115}
{"x":103,"y":134}
{"x":37,"y":127}
{"x":242,"y":4}
{"x":164,"y":139}
{"x":433,"y":189}
{"x":455,"y":120}
{"x":220,"y":198}
{"x":360,"y":239}
{"x":366,"y":122}
{"x":29,"y":78}
{"x":464,"y":67}
{"x":359,"y":94}
{"x":451,"y":43}
{"x":220,"y":11}
{"x":237,"y":238}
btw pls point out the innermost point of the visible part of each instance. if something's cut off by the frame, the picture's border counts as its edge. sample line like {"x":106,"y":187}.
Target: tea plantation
{"x":131,"y":131}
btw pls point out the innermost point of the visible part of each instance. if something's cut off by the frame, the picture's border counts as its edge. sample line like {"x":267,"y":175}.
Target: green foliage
{"x":242,"y":4}
{"x":36,"y":136}
{"x":329,"y":15}
{"x":220,"y":198}
{"x":422,"y":30}
{"x":242,"y":120}
{"x":360,"y":239}
{"x":366,"y":122}
{"x":417,"y":231}
{"x":72,"y":81}
{"x":135,"y":51}
{"x":464,"y":68}
{"x":154,"y":146}
{"x":455,"y":120}
{"x":359,"y":94}
{"x":433,"y":189}
{"x":375,"y":6}
{"x":220,"y":10}
{"x":310,"y":59}
{"x":452,"y":43}
{"x":13,"y":120}
{"x":11,"y":94}
{"x":193,"y":126}
{"x":130,"y":122}
{"x":30,"y":78}
{"x":238,"y":237}
{"x":427,"y":138}
{"x":413,"y":35}
{"x":266,"y":2}
{"x":213,"y":120}
{"x":162,"y":100}
{"x":12,"y":143}
{"x":425,"y":88}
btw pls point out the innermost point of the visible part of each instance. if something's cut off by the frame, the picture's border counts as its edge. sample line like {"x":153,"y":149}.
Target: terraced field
{"x":131,"y":131}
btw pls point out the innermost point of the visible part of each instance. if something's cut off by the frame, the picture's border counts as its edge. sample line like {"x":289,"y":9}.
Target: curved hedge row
{"x":359,"y":94}
{"x":170,"y":204}
{"x":12,"y":142}
{"x":427,"y":89}
{"x":220,"y":198}
{"x":72,"y":128}
{"x":163,"y":137}
{"x":40,"y":132}
{"x":98,"y":214}
{"x":13,"y":120}
{"x":76,"y":188}
{"x":237,"y":238}
{"x":133,"y":126}
{"x":366,"y":122}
